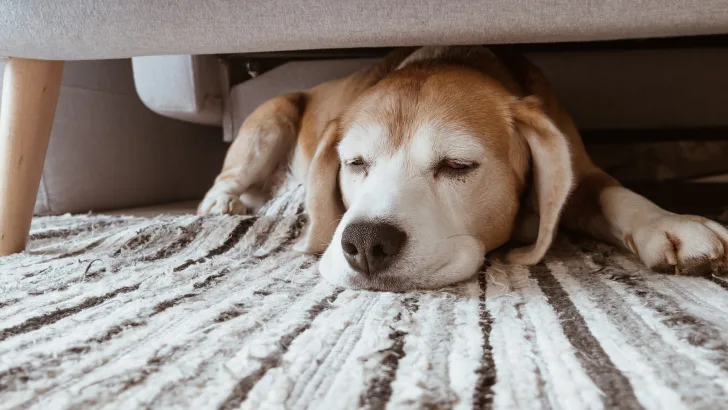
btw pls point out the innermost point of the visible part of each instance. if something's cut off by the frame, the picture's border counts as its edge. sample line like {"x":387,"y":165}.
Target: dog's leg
{"x":601,"y":207}
{"x":265,"y":140}
{"x":664,"y":241}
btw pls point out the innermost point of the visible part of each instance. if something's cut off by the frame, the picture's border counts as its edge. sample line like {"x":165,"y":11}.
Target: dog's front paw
{"x":221,"y":204}
{"x":684,"y":244}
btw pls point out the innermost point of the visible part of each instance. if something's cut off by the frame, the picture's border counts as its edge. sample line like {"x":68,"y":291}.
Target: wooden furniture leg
{"x":29,"y":97}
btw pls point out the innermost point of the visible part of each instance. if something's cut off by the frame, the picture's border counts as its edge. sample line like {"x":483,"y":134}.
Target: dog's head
{"x":424,"y":174}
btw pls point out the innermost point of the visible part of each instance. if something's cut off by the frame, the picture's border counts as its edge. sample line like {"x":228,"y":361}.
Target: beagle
{"x":417,"y":167}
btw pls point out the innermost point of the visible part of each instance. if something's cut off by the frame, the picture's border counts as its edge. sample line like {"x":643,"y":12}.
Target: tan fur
{"x":552,"y":174}
{"x":323,"y":203}
{"x":503,"y":100}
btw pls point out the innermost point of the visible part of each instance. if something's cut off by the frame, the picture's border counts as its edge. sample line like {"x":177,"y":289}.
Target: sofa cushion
{"x":96,"y":29}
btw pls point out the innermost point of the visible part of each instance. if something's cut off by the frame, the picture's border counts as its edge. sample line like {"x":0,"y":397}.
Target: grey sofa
{"x":96,"y":29}
{"x":39,"y":35}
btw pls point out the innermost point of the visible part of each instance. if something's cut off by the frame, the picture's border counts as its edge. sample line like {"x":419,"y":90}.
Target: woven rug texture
{"x":220,"y":313}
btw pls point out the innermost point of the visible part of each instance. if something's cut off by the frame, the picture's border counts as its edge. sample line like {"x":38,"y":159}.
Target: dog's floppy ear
{"x":323,"y":199}
{"x":552,"y":175}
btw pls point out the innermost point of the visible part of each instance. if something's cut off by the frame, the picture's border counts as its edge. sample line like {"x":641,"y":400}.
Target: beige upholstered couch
{"x":39,"y":35}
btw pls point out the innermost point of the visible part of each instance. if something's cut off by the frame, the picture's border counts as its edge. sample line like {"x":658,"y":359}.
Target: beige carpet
{"x":188,"y":312}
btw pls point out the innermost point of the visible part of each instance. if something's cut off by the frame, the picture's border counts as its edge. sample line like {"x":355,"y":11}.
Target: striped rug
{"x":220,"y":313}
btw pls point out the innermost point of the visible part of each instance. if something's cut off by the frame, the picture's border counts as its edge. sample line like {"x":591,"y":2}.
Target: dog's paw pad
{"x":221,"y":204}
{"x":682,"y":244}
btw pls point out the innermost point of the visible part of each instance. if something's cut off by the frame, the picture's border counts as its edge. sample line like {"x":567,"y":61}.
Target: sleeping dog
{"x":417,"y":167}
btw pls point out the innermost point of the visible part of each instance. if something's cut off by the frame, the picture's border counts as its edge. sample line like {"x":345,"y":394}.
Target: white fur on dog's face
{"x":394,"y":168}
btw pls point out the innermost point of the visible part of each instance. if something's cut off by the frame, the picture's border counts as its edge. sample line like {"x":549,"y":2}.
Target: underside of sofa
{"x":648,"y":109}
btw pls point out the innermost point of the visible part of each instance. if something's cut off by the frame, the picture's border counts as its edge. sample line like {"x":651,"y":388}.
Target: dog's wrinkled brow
{"x":362,"y":140}
{"x":437,"y":141}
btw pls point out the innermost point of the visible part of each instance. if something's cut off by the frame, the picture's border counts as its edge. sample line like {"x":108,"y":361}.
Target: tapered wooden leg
{"x":29,"y":97}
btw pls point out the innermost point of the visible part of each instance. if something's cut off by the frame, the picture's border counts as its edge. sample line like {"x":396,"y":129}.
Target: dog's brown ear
{"x":552,"y":175}
{"x":323,"y":199}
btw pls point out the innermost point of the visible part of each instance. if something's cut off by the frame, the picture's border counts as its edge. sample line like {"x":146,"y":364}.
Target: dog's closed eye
{"x":357,"y":165}
{"x":454,"y":167}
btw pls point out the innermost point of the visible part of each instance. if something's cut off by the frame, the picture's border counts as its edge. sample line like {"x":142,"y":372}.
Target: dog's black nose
{"x":370,"y":247}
